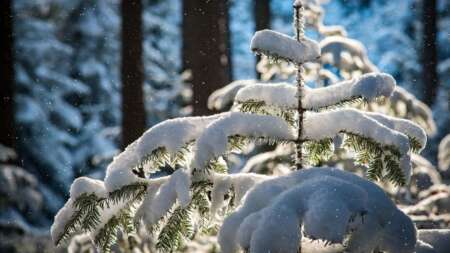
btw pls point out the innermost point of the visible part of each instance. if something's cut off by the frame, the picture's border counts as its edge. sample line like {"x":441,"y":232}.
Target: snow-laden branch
{"x":413,"y":109}
{"x":337,"y":47}
{"x":319,"y":126}
{"x":280,"y":46}
{"x":368,"y":87}
{"x":329,"y":203}
{"x":214,"y":140}
{"x":328,"y":124}
{"x":68,"y":218}
{"x":170,"y":135}
{"x":411,"y":129}
{"x":223,"y":97}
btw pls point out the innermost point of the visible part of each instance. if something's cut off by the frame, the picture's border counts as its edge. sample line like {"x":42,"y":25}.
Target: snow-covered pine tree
{"x":174,"y":207}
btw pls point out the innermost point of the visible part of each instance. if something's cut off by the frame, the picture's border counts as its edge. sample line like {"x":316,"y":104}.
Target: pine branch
{"x":71,"y":227}
{"x":380,"y":159}
{"x":107,"y":235}
{"x":160,"y":157}
{"x":318,"y":151}
{"x":177,"y":228}
{"x":132,"y":193}
{"x":86,"y":216}
{"x":179,"y":224}
{"x":260,"y":107}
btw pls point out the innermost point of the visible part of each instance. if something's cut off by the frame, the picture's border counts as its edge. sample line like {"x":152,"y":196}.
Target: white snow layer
{"x":368,"y":86}
{"x":87,"y":185}
{"x":163,"y":194}
{"x":213,"y":141}
{"x":408,"y":127}
{"x":170,"y":134}
{"x":222,"y":97}
{"x":318,"y":126}
{"x":61,"y":219}
{"x":241,"y":183}
{"x":278,"y":45}
{"x":276,"y":208}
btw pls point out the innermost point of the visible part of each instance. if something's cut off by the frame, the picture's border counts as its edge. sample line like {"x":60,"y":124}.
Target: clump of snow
{"x":278,"y":45}
{"x":323,"y":206}
{"x":144,"y":209}
{"x":171,"y":135}
{"x":119,"y":173}
{"x":368,"y":86}
{"x":214,"y":140}
{"x":276,"y":208}
{"x":85,"y":185}
{"x":61,"y":219}
{"x":177,"y":187}
{"x":274,"y":94}
{"x":220,"y":98}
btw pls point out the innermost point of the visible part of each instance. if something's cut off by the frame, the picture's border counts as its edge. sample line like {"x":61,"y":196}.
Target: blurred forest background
{"x":81,"y":79}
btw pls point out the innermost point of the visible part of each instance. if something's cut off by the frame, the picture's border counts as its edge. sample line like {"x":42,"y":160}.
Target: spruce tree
{"x":173,"y":207}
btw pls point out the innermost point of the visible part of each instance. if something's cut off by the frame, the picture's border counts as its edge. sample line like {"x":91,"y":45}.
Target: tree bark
{"x":206,"y":48}
{"x":262,"y":16}
{"x":429,"y":54}
{"x":132,"y":72}
{"x":7,"y":126}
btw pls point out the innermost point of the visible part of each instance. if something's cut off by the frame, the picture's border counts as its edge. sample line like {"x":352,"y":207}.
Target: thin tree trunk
{"x":429,"y":54}
{"x":7,"y":129}
{"x":132,"y":71}
{"x":262,"y":16}
{"x":299,"y":36}
{"x":206,"y":48}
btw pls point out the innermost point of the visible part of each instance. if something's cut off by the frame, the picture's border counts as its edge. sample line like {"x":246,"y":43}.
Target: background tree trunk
{"x":262,"y":18}
{"x":206,"y":48}
{"x":7,"y":128}
{"x":429,"y":53}
{"x":132,"y":71}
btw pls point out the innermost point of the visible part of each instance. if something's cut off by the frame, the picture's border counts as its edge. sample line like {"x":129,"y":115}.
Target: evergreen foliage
{"x":177,"y":206}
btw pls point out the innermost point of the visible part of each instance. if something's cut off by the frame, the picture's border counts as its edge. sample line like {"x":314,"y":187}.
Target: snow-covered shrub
{"x":134,"y":194}
{"x":327,"y":204}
